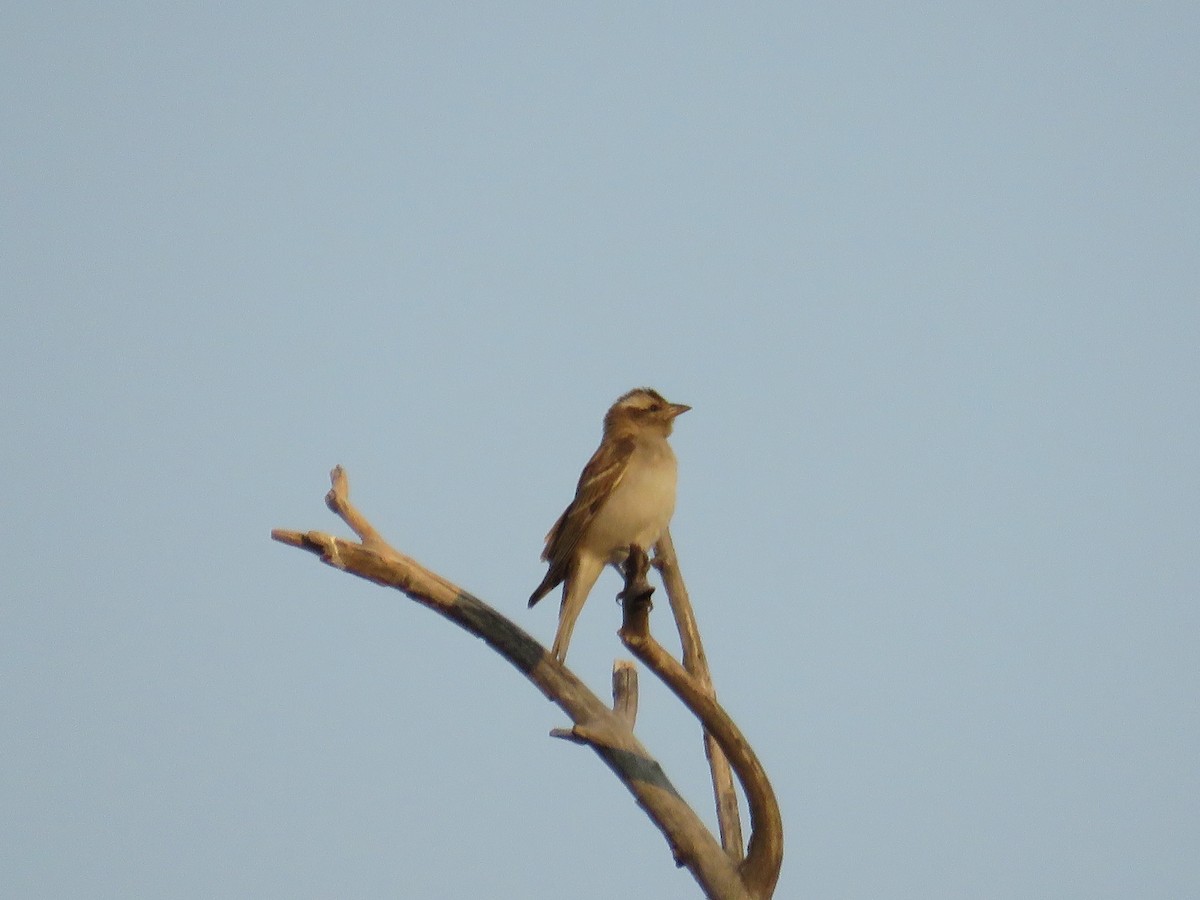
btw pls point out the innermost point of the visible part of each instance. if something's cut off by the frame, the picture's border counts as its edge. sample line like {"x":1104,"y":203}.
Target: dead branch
{"x":696,"y":663}
{"x":608,"y":732}
{"x":625,"y":700}
{"x":760,"y":869}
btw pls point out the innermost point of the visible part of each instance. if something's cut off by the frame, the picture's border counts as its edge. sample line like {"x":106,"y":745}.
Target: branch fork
{"x":719,"y":870}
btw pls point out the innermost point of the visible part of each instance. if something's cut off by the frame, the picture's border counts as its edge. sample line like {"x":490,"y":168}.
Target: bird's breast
{"x":640,"y":508}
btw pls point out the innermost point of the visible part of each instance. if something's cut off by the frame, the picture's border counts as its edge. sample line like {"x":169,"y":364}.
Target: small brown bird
{"x":626,"y":495}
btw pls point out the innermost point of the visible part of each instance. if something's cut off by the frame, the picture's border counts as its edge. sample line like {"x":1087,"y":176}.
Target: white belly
{"x":638,"y":511}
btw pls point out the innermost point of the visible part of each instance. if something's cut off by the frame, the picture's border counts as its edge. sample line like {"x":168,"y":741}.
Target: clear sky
{"x":927,"y":273}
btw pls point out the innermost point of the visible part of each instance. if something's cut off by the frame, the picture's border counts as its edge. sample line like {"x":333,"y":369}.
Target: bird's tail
{"x":550,"y":582}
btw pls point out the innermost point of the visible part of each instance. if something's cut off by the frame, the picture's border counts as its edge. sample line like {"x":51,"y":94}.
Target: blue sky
{"x":927,"y":274}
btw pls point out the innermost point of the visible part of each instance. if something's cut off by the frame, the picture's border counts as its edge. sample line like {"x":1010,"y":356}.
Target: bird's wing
{"x":600,"y":478}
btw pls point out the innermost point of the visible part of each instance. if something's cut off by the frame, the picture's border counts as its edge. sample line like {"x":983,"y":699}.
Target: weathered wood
{"x":625,"y":691}
{"x":729,"y":819}
{"x":764,"y":857}
{"x":608,"y":733}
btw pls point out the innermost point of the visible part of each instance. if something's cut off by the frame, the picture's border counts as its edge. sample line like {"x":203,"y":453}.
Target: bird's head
{"x":642,"y":410}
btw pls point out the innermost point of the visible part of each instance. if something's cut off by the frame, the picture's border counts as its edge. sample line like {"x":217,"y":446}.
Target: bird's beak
{"x":678,"y":409}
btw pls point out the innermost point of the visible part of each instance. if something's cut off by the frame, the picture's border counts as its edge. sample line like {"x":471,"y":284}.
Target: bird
{"x":625,"y":496}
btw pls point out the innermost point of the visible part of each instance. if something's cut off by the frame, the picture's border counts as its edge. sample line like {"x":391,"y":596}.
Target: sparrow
{"x":625,"y":496}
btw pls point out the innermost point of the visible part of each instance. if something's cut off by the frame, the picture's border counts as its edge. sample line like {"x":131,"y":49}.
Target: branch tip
{"x":625,"y":691}
{"x":287,"y":536}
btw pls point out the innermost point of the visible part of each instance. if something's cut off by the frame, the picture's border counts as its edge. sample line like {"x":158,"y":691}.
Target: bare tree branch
{"x":605,"y":731}
{"x":696,"y":663}
{"x":760,"y":869}
{"x":625,"y":700}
